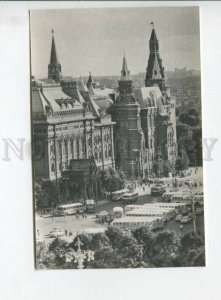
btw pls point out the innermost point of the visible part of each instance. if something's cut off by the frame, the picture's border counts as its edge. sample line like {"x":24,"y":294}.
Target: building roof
{"x":153,"y":36}
{"x":38,"y":102}
{"x":149,"y":96}
{"x":53,"y":58}
{"x":125,"y":73}
{"x":82,"y":86}
{"x":58,"y":100}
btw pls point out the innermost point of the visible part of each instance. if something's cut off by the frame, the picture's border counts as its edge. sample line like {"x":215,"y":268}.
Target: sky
{"x":94,"y":40}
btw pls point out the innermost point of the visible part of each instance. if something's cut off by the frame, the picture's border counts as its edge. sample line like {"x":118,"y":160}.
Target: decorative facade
{"x":70,"y":123}
{"x":145,"y":118}
{"x":77,"y":125}
{"x":128,"y":137}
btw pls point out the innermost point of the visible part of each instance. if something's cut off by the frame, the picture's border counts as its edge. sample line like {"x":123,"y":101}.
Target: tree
{"x":44,"y":259}
{"x":113,"y":180}
{"x":191,"y":251}
{"x":182,"y":163}
{"x":188,"y":119}
{"x":45,"y":194}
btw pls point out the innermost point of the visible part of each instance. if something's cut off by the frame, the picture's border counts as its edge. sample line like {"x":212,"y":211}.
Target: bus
{"x":146,"y":213}
{"x":178,"y":207}
{"x":166,"y":197}
{"x":117,"y":195}
{"x":132,"y":206}
{"x":130,"y":197}
{"x":151,"y":223}
{"x":69,"y":209}
{"x":90,"y":206}
{"x":118,"y":212}
{"x":177,"y":198}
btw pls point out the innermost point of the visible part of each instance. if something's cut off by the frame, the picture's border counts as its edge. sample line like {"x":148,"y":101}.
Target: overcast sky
{"x":94,"y":39}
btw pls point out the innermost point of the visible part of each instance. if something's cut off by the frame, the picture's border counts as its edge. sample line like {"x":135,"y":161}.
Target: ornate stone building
{"x":78,"y":128}
{"x":70,"y":123}
{"x":129,"y":139}
{"x":145,"y":118}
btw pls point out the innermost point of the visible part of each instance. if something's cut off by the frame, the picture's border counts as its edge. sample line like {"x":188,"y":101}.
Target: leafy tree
{"x":45,"y":194}
{"x":188,"y":119}
{"x":113,"y":180}
{"x":44,"y":259}
{"x":182,"y":163}
{"x":191,"y":251}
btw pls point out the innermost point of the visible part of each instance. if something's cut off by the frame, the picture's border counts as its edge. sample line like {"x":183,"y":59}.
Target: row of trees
{"x":189,"y":136}
{"x":118,"y":248}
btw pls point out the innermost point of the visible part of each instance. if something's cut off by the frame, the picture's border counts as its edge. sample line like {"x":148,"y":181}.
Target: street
{"x":75,"y":226}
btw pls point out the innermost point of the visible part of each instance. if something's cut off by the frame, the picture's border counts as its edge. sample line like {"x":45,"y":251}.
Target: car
{"x":56,"y":232}
{"x":185,"y":219}
{"x":178,"y":218}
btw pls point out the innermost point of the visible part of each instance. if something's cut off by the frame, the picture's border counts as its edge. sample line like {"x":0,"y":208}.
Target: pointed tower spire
{"x":54,"y":67}
{"x":155,"y":70}
{"x":125,"y":73}
{"x":90,"y":82}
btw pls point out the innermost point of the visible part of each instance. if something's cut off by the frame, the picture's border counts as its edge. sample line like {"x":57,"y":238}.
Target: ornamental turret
{"x":155,"y":70}
{"x":54,"y":67}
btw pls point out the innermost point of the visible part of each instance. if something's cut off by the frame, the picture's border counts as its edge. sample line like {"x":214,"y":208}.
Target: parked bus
{"x":185,"y":198}
{"x":151,"y":223}
{"x":90,"y":206}
{"x":166,"y":197}
{"x":117,"y":195}
{"x":178,"y":207}
{"x":130,"y":197}
{"x":146,"y":213}
{"x":118,"y":212}
{"x":131,"y":207}
{"x":69,"y":209}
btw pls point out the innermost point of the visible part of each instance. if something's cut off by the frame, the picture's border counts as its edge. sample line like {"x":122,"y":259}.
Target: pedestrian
{"x":82,"y":215}
{"x":85,"y":216}
{"x":181,"y":227}
{"x":66,"y":232}
{"x":144,"y":188}
{"x":38,"y":232}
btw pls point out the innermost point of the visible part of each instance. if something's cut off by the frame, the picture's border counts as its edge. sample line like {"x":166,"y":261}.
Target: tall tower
{"x":129,"y":139}
{"x":54,"y":67}
{"x":155,"y":70}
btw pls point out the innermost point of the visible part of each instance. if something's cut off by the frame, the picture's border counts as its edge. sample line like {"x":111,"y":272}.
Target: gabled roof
{"x":149,"y":97}
{"x":82,"y":86}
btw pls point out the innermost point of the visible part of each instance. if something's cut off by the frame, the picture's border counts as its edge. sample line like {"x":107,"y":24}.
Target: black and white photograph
{"x":117,"y":138}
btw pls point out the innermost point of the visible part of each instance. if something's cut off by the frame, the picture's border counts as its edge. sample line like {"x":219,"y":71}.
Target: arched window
{"x":72,"y":148}
{"x":66,"y":148}
{"x":78,"y":148}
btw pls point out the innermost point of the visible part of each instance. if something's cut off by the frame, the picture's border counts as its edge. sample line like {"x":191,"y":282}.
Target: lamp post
{"x":80,"y":255}
{"x":65,"y":180}
{"x":193,"y":208}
